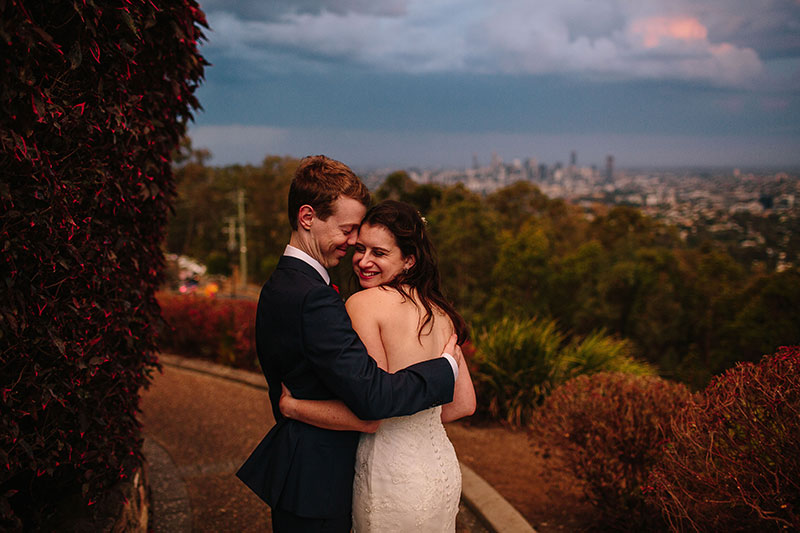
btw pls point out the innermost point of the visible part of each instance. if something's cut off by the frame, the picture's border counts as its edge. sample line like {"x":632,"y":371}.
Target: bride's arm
{"x":325,"y":414}
{"x":464,"y":402}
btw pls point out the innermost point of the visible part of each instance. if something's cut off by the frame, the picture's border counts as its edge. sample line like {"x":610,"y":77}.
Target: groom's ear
{"x":305,"y":217}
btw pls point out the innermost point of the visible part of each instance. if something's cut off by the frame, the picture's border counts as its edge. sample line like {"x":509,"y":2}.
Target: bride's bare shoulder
{"x":374,"y":298}
{"x":369,"y":296}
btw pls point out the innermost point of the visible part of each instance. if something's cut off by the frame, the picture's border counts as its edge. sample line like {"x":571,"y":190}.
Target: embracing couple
{"x":359,"y":391}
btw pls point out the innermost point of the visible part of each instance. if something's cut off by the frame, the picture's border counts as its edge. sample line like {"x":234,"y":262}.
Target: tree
{"x":517,"y":203}
{"x":768,"y":317}
{"x":399,"y":186}
{"x":396,"y":186}
{"x":206,"y":206}
{"x":464,"y":233}
{"x":267,"y":189}
{"x":641,"y":297}
{"x":574,"y":292}
{"x":628,"y":228}
{"x":714,"y":283}
{"x":522,"y":273}
{"x":659,"y":325}
{"x":202,"y":203}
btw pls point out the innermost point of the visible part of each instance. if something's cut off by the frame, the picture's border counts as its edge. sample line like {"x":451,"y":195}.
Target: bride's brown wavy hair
{"x":406,"y":224}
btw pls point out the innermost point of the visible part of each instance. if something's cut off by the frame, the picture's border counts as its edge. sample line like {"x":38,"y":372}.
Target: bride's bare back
{"x":407,"y":476}
{"x":388,"y":323}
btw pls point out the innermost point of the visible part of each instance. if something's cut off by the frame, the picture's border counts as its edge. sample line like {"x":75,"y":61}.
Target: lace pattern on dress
{"x":407,"y":477}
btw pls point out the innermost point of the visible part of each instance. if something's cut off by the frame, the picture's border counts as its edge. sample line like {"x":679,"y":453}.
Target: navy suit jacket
{"x":304,"y":339}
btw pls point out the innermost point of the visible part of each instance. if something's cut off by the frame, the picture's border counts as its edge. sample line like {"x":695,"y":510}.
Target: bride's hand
{"x":286,"y":402}
{"x":450,"y":347}
{"x":454,"y":349}
{"x":459,"y":355}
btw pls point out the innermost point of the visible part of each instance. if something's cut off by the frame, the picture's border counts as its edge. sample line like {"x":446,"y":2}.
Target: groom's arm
{"x":341,"y":361}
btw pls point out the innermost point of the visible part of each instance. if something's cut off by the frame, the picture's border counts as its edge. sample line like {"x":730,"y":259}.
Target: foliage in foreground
{"x":518,"y":361}
{"x":93,"y":100}
{"x":733,"y":461}
{"x":608,"y":427}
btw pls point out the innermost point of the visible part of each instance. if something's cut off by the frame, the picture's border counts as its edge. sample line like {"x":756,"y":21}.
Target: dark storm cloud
{"x":466,"y":69}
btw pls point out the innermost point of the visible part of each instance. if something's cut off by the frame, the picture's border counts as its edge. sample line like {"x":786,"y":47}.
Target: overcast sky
{"x":399,"y":83}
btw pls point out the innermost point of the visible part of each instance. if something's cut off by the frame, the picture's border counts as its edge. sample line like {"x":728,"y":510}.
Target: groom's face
{"x":334,"y":235}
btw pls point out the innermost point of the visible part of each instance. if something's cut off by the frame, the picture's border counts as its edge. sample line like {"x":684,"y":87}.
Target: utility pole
{"x":231,"y":231}
{"x":242,"y":240}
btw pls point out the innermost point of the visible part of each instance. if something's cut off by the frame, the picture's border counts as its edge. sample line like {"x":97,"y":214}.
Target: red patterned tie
{"x":335,"y":287}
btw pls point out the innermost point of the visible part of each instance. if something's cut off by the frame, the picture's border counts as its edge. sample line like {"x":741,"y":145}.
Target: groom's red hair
{"x":318,"y":182}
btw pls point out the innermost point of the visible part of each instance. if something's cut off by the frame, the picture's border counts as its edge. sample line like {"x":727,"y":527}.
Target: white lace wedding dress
{"x":407,"y":477}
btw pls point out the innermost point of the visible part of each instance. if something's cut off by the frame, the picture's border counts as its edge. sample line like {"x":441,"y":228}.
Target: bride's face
{"x":377,"y":258}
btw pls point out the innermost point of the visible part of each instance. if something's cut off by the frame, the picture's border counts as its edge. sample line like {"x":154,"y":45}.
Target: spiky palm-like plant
{"x":518,"y":361}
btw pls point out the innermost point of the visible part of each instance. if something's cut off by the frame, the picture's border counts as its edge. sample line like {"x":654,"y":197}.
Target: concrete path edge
{"x":497,"y":514}
{"x":171,"y":509}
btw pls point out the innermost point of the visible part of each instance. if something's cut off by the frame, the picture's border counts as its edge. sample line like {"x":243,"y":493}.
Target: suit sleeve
{"x":341,"y":361}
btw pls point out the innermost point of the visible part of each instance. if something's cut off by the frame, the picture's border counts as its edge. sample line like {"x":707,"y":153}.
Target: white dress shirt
{"x":297,"y":253}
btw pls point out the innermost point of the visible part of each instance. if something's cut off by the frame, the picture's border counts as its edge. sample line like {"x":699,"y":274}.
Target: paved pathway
{"x":201,"y":423}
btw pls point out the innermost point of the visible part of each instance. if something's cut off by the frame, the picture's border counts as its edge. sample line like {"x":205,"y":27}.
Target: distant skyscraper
{"x":531,"y":165}
{"x":496,"y":160}
{"x":475,"y":164}
{"x":610,"y":169}
{"x":573,"y":158}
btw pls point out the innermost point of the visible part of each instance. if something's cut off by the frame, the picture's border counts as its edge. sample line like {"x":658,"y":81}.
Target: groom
{"x":304,"y":339}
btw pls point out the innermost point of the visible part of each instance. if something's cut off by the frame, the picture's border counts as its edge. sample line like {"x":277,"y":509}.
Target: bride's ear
{"x":409,"y":262}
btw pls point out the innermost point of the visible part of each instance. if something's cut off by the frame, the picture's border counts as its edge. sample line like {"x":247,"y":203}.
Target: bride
{"x":407,"y":475}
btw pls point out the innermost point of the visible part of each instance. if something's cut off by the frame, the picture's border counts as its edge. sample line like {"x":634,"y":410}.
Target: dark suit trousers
{"x":286,"y":522}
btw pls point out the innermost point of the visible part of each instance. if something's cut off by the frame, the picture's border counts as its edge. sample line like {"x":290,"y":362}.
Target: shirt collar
{"x":297,"y":253}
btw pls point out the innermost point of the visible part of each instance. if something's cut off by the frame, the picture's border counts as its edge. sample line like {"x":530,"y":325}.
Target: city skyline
{"x":410,"y":83}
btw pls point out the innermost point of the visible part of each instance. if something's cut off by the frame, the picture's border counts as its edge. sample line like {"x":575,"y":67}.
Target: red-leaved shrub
{"x":607,"y":427}
{"x":222,"y":330}
{"x":734,"y":460}
{"x":94,"y":98}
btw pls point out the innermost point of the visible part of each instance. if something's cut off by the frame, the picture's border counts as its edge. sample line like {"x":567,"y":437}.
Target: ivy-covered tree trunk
{"x":94,"y":97}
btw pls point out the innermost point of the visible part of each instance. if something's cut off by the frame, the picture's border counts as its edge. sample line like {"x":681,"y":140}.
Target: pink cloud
{"x":653,"y":30}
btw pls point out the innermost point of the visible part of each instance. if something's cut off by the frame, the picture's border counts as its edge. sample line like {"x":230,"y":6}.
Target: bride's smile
{"x":377,"y":258}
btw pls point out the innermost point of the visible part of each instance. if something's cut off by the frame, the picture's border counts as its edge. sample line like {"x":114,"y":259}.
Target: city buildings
{"x":755,"y":214}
